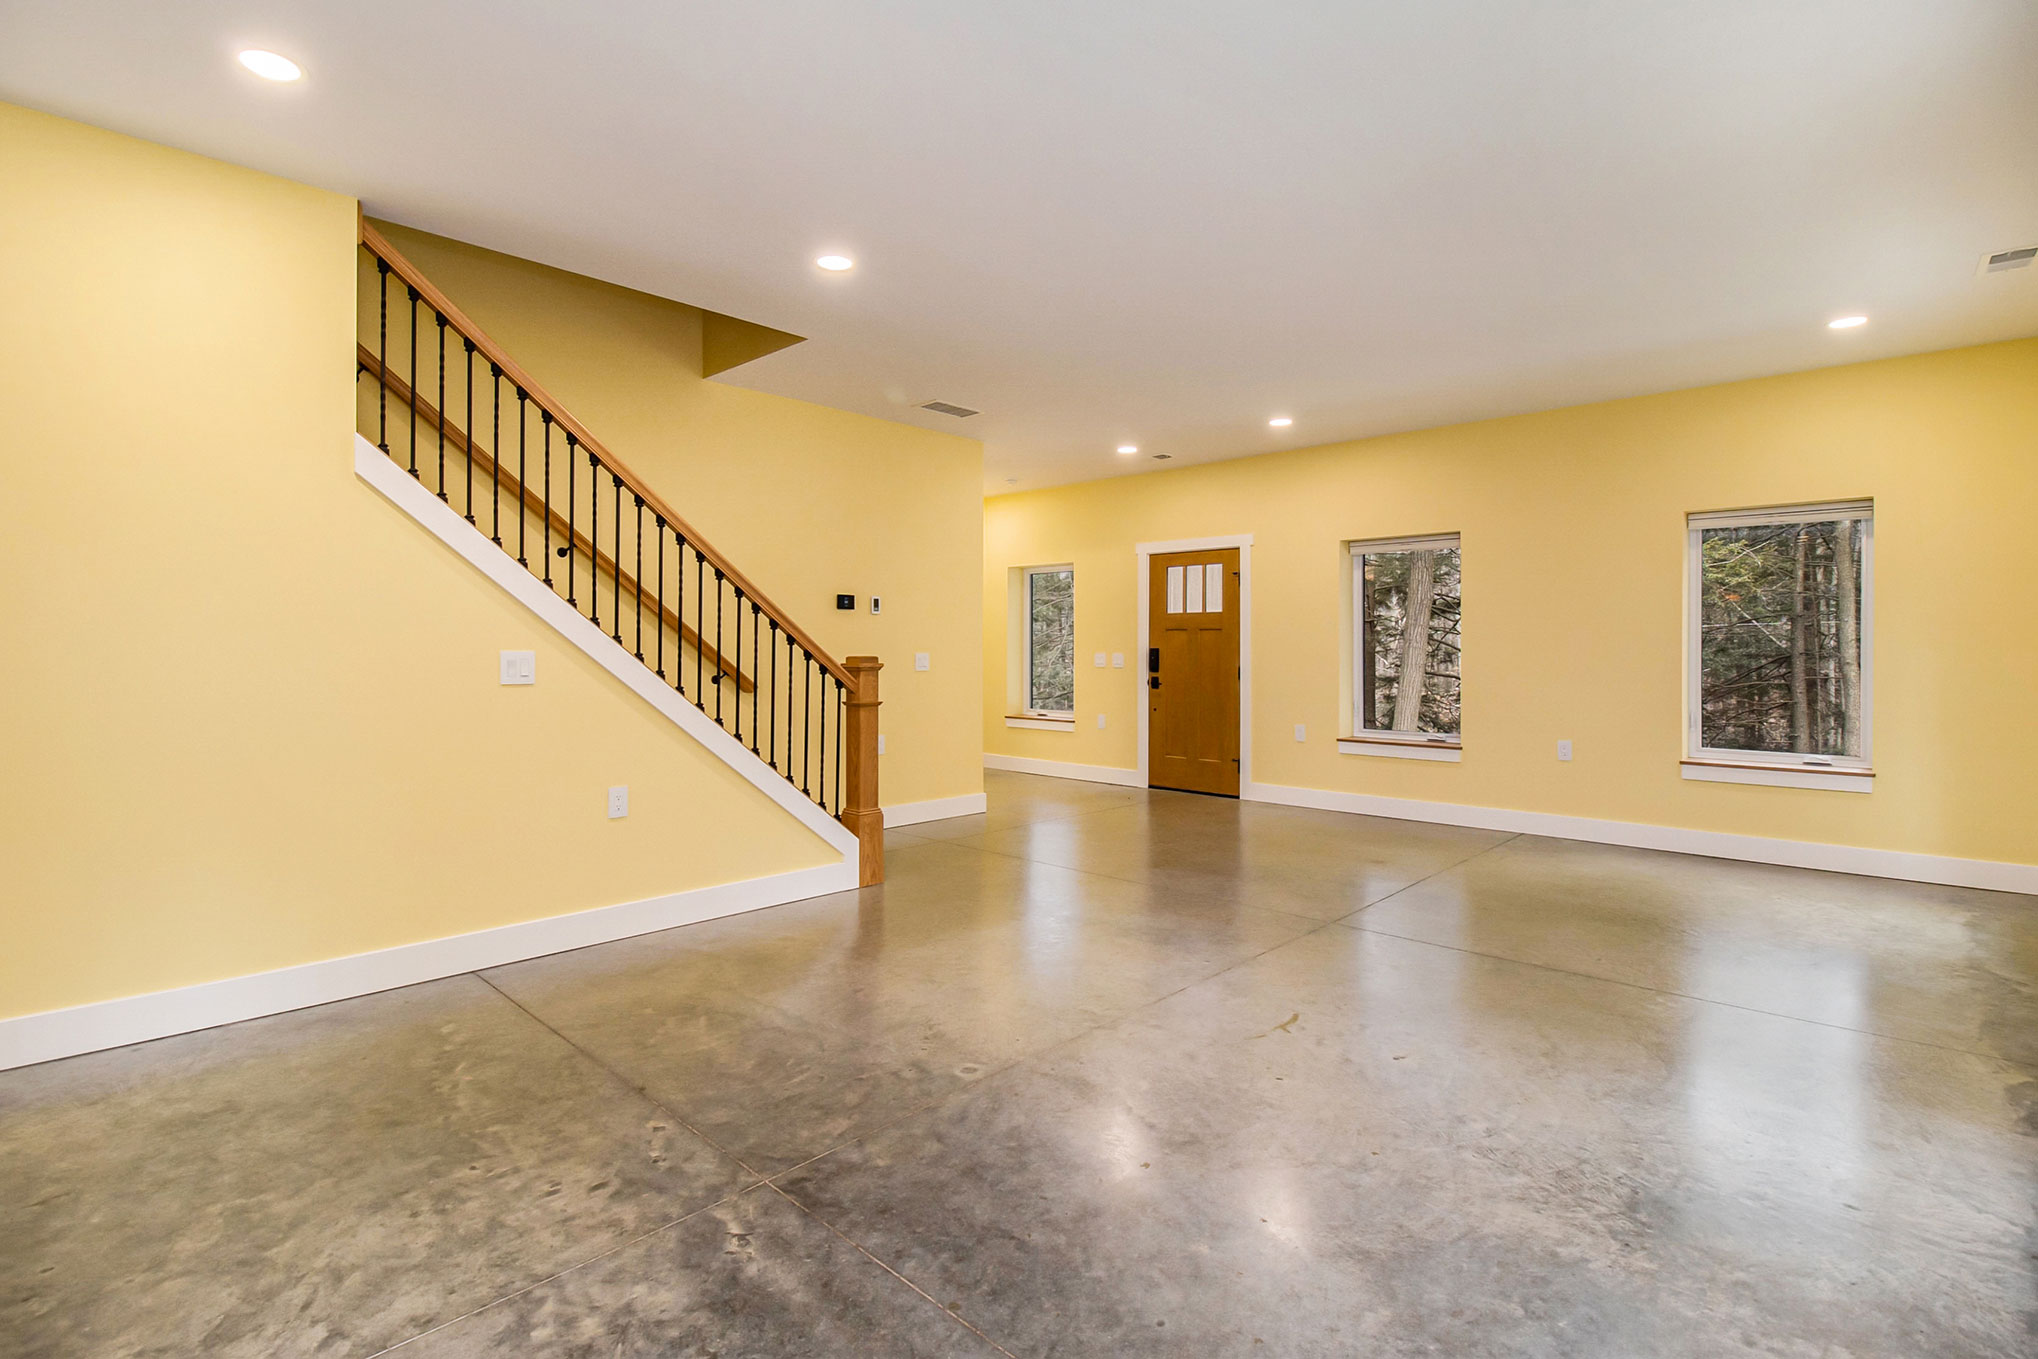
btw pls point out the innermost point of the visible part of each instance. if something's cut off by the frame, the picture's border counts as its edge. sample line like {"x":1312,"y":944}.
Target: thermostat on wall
{"x":845,"y":601}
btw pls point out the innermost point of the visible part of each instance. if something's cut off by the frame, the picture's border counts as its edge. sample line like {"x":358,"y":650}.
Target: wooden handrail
{"x":400,"y":392}
{"x":379,"y":245}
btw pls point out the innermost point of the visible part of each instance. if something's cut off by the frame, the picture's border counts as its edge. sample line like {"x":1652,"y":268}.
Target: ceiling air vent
{"x":2009,"y":259}
{"x":943,"y":407}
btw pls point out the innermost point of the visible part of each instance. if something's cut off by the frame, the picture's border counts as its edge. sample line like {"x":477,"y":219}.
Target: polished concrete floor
{"x":1102,"y":1072}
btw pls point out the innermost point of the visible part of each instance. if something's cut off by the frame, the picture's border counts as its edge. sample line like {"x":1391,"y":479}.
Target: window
{"x":1051,"y":640}
{"x":1779,"y":650}
{"x":1405,"y":596}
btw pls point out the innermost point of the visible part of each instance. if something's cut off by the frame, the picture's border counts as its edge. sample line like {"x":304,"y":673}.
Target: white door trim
{"x":1143,"y":553}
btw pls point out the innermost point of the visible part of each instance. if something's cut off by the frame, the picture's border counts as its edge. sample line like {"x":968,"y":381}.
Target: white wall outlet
{"x":1117,"y":660}
{"x":880,"y":743}
{"x":1100,"y":721}
{"x":876,"y":604}
{"x":519,"y":667}
{"x":1301,"y":732}
{"x":921,"y":661}
{"x":1563,"y":750}
{"x":1098,"y":660}
{"x":619,"y":801}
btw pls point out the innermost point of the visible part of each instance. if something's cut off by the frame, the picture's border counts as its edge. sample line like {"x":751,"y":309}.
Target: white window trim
{"x":1040,"y":719}
{"x":1710,"y":764}
{"x":1383,"y":740}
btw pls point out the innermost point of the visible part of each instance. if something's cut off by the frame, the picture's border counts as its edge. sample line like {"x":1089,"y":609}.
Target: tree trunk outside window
{"x":1846,"y":581}
{"x":1414,"y":666}
{"x":1800,"y":669}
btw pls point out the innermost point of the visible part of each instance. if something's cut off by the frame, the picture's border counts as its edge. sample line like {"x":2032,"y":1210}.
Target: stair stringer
{"x":439,"y":519}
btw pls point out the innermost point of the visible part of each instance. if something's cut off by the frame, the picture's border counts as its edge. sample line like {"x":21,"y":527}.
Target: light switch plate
{"x":876,"y":605}
{"x":1301,"y":732}
{"x":921,"y":661}
{"x":1117,"y":660}
{"x":1563,"y":750}
{"x":1098,"y":660}
{"x":619,"y":801}
{"x":519,"y":667}
{"x":1100,"y":721}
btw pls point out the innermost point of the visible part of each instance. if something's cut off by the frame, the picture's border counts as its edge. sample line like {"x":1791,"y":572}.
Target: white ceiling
{"x":1159,"y":221}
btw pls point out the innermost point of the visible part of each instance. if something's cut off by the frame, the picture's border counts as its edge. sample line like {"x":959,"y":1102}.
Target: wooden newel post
{"x":860,"y":810}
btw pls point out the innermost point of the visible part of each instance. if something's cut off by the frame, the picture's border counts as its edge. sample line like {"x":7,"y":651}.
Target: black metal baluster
{"x":545,"y":499}
{"x":413,"y":380}
{"x":719,"y":663}
{"x":788,"y":707}
{"x":382,"y":354}
{"x":772,"y":743}
{"x":659,"y":520}
{"x":638,"y":548}
{"x":806,"y":721}
{"x":755,"y":692}
{"x":523,"y":477}
{"x":572,"y":497}
{"x":841,"y":712}
{"x":739,"y":665}
{"x":679,"y":612}
{"x":469,"y":426}
{"x":495,"y":452}
{"x":616,"y":561}
{"x":594,"y":539}
{"x":441,"y":421}
{"x":700,"y":649}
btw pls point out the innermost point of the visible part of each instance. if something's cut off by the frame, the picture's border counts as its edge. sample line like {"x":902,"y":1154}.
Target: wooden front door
{"x":1192,"y":671}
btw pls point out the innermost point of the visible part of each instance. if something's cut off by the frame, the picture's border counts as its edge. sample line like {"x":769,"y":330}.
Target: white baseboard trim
{"x":1062,"y":769}
{"x":934,"y":809}
{"x":137,"y":1019}
{"x":1874,"y":863}
{"x":404,"y":491}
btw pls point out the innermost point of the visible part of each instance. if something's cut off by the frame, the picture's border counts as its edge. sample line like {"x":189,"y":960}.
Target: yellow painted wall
{"x":874,"y":507}
{"x":251,"y":716}
{"x":1574,"y":550}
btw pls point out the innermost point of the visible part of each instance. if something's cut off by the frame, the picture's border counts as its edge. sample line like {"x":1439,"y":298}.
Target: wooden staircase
{"x":447,"y":405}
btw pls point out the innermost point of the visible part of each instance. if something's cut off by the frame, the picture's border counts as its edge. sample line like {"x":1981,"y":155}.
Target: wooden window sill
{"x":1450,"y":752}
{"x":1836,"y":778}
{"x":1029,"y":723}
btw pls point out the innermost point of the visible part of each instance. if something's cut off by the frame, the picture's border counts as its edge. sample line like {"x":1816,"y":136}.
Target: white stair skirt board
{"x":373,"y":466}
{"x":137,"y":1019}
{"x":1874,"y":863}
{"x":934,"y":809}
{"x":1061,"y":769}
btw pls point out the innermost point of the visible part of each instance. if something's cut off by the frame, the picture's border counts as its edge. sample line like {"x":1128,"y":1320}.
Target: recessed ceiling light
{"x":269,"y":66}
{"x":836,"y":263}
{"x":1847,"y":323}
{"x":1128,"y":448}
{"x":1280,"y":422}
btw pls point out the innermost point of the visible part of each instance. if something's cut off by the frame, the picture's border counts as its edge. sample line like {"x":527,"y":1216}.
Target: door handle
{"x":1153,"y":682}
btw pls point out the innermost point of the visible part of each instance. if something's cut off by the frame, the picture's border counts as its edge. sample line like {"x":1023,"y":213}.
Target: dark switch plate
{"x":845,"y":601}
